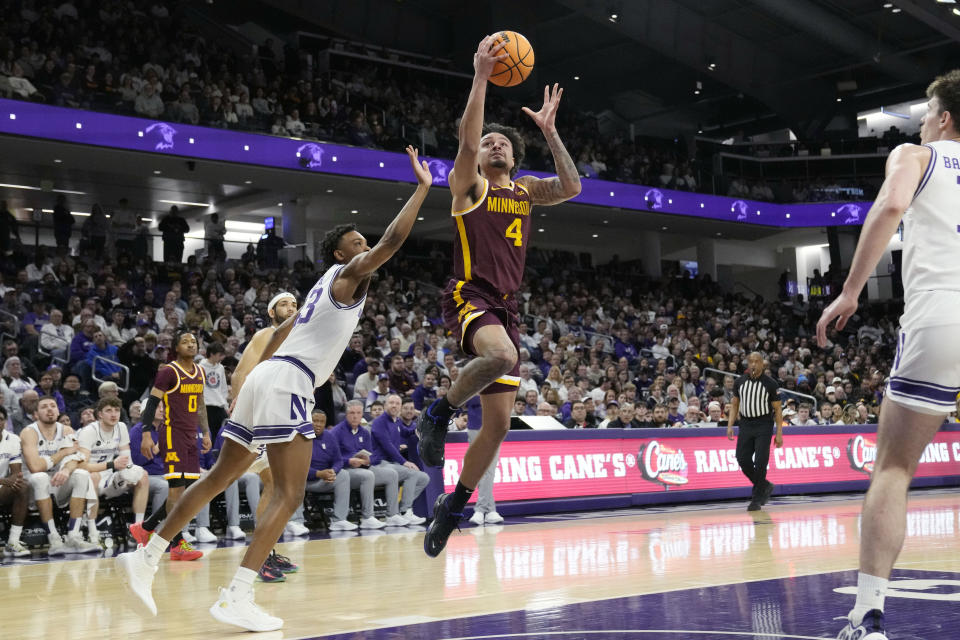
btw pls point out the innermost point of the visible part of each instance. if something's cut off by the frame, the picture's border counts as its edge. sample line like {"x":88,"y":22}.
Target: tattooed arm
{"x":567,"y":183}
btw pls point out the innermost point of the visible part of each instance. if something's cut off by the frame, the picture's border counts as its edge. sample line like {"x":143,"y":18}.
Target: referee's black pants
{"x":753,"y":450}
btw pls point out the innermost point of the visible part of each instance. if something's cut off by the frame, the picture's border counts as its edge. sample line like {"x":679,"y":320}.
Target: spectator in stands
{"x":47,"y":388}
{"x":388,"y":434}
{"x":63,"y":223}
{"x":118,"y":333}
{"x":353,"y":441}
{"x":15,"y":381}
{"x":401,"y":381}
{"x":826,"y":412}
{"x":294,"y":125}
{"x":173,"y":228}
{"x":803,"y":419}
{"x":55,"y":336}
{"x":426,"y":392}
{"x":625,"y":418}
{"x":215,"y":387}
{"x":659,"y":418}
{"x":327,"y":473}
{"x":102,"y":358}
{"x":578,"y":417}
{"x":148,"y":104}
{"x":75,"y":396}
{"x":214,"y":231}
{"x":23,"y":412}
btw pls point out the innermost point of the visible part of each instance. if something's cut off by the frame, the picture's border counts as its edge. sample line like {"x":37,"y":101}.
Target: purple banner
{"x":188,"y":141}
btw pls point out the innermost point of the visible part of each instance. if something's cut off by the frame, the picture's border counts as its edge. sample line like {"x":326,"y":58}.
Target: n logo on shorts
{"x":298,"y":408}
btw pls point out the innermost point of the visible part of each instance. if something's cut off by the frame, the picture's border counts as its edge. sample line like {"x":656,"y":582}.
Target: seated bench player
{"x":14,"y":491}
{"x":105,"y":447}
{"x":50,"y":453}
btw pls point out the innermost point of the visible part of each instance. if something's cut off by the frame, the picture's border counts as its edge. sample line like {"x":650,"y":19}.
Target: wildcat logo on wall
{"x":439,"y":170}
{"x":166,"y":133}
{"x":310,"y":155}
{"x":739,"y":207}
{"x":654,"y":199}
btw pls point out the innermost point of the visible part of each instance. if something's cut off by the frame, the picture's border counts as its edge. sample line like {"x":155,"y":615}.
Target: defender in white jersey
{"x":922,"y":186}
{"x":273,"y":408}
{"x":105,"y":446}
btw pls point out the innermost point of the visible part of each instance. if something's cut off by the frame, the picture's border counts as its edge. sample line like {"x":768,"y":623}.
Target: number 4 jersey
{"x":490,"y":243}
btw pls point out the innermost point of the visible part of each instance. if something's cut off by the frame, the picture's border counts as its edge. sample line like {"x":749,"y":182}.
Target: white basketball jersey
{"x":321,"y":331}
{"x":9,"y":452}
{"x":51,"y":447}
{"x":931,"y":242}
{"x":103,"y":445}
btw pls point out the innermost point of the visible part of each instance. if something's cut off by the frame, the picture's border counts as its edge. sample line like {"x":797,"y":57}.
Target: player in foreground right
{"x":921,"y":188}
{"x":273,"y":408}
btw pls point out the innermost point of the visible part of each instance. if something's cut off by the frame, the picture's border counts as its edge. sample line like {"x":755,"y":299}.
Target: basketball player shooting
{"x":273,"y":408}
{"x":921,"y":189}
{"x":491,"y":216}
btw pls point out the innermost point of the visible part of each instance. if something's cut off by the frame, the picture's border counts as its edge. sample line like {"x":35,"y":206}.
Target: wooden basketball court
{"x":692,"y":571}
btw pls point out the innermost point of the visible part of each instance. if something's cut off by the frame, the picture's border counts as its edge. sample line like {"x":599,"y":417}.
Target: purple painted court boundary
{"x":189,"y":141}
{"x":792,"y":607}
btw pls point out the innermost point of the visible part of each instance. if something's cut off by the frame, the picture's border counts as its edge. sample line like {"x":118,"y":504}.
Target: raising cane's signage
{"x":545,"y":468}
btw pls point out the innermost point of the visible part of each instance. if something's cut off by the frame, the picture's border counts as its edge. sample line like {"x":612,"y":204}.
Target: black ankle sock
{"x":151,"y":523}
{"x":442,"y":408}
{"x":461,"y":495}
{"x":176,"y":540}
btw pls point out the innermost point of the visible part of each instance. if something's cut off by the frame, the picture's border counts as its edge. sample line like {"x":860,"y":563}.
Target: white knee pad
{"x":79,"y":483}
{"x":40,"y":483}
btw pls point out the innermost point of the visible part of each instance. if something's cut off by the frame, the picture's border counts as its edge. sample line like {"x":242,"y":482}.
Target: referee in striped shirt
{"x":756,"y":404}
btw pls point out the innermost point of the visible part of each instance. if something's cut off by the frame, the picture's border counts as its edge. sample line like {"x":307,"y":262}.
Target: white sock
{"x":871,"y":591}
{"x":154,"y":549}
{"x":52,"y":528}
{"x":92,"y":530}
{"x":138,"y":517}
{"x":15,"y":531}
{"x":242,"y":583}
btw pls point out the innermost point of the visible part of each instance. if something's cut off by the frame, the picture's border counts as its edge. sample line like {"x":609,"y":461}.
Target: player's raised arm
{"x":566,"y":184}
{"x":365,"y":263}
{"x":905,"y":167}
{"x":465,"y":177}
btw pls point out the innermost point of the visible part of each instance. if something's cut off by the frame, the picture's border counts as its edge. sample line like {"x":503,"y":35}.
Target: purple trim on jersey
{"x":334,"y":300}
{"x":930,"y":384}
{"x":903,"y":337}
{"x":266,"y":433}
{"x":928,"y":173}
{"x":298,"y":364}
{"x":922,"y":391}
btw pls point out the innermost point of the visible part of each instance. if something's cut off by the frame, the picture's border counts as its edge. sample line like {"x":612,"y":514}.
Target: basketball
{"x":513,"y":70}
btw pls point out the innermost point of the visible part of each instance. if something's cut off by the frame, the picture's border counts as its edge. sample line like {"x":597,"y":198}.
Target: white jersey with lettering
{"x":10,"y":452}
{"x":931,"y":243}
{"x":50,"y":448}
{"x":103,"y":445}
{"x":319,"y":336}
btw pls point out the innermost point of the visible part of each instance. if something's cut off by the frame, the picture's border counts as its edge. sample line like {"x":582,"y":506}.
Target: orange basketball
{"x":515,"y":69}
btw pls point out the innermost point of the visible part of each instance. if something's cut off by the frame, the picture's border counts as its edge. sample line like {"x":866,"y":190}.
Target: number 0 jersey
{"x":182,"y":391}
{"x":490,"y":243}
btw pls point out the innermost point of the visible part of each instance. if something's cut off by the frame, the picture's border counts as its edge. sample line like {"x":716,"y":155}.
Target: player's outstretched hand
{"x":547,"y":116}
{"x":420,"y":167}
{"x":487,"y":56}
{"x":841,"y":309}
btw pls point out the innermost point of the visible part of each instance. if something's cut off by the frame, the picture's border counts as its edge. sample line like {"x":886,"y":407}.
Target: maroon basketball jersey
{"x":181,"y":398}
{"x":490,"y":244}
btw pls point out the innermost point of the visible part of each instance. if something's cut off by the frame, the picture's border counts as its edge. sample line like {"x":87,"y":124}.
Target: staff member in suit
{"x":756,"y":404}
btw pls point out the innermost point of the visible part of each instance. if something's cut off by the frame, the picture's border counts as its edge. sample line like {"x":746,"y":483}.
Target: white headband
{"x":280,"y":296}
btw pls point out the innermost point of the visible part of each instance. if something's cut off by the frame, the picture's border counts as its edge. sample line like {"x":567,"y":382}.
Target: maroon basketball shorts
{"x":179,"y":452}
{"x":468,"y":306}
